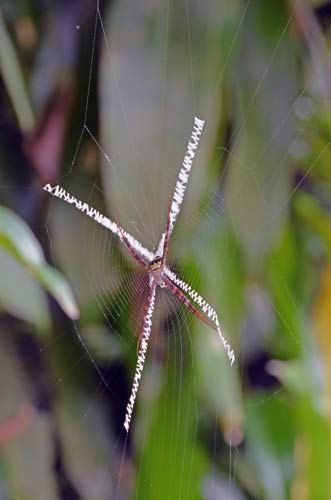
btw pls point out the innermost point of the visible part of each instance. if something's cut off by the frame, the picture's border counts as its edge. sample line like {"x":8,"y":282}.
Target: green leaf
{"x":103,"y":345}
{"x":270,"y":431}
{"x":86,"y":443}
{"x":21,"y":295}
{"x":13,"y":80}
{"x":17,"y":239}
{"x":27,"y":453}
{"x":311,"y":420}
{"x":173,"y":464}
{"x":58,"y":287}
{"x":315,"y":216}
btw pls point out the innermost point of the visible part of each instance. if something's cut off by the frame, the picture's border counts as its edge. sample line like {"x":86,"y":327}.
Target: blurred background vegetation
{"x":254,"y":238}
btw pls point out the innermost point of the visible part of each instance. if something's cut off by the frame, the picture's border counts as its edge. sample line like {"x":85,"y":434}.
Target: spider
{"x":155,"y":265}
{"x":157,"y":277}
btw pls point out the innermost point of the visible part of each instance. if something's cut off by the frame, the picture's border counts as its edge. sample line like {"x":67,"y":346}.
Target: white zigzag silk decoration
{"x":141,"y":359}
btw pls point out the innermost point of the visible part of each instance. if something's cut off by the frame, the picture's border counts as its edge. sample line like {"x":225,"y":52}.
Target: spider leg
{"x":166,"y":237}
{"x":182,"y":297}
{"x":132,"y":251}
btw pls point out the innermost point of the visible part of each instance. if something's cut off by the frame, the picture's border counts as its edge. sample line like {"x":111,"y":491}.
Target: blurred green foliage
{"x":254,"y":237}
{"x":19,"y":243}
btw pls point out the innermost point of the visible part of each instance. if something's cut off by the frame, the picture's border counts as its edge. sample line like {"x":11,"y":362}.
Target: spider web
{"x":146,"y":108}
{"x":144,"y":127}
{"x":137,"y":211}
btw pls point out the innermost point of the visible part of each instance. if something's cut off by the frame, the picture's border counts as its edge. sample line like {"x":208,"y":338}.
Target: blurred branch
{"x":13,"y":80}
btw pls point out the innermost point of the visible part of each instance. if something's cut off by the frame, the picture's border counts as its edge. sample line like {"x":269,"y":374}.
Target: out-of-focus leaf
{"x":269,"y":428}
{"x":282,"y":275}
{"x":212,"y":264}
{"x":306,"y":381}
{"x":311,"y":30}
{"x":59,"y":288}
{"x":218,"y":383}
{"x":28,"y":457}
{"x":101,"y":343}
{"x":18,"y":240}
{"x":21,"y":295}
{"x":218,"y":271}
{"x":172,"y":463}
{"x":215,"y":488}
{"x":312,"y":427}
{"x":146,"y":127}
{"x":13,"y":78}
{"x":81,"y":417}
{"x":322,"y":326}
{"x":259,"y":179}
{"x":313,"y":447}
{"x":86,"y":443}
{"x":44,"y":147}
{"x":317,"y":218}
